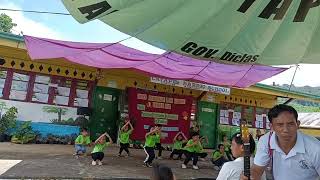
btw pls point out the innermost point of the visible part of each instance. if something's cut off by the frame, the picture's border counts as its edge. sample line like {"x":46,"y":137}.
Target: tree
{"x":6,"y":23}
{"x":60,"y":111}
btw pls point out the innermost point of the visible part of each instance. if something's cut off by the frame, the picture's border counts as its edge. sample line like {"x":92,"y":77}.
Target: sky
{"x":66,"y":28}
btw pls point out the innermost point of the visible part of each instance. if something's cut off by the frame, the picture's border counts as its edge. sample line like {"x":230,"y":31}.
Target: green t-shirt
{"x":157,"y":138}
{"x":217,"y":155}
{"x":192,"y":148}
{"x":199,"y":148}
{"x":227,"y":146}
{"x":150,"y":141}
{"x":84,"y":140}
{"x":177,"y":145}
{"x":124,"y":136}
{"x":100,"y":147}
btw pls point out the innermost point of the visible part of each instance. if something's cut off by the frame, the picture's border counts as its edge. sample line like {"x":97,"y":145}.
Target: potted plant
{"x":7,"y":121}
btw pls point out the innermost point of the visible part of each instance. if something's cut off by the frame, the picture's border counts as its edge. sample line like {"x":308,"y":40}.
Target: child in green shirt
{"x":219,"y":157}
{"x":150,"y":145}
{"x":199,"y":149}
{"x":97,"y":152}
{"x":81,"y":142}
{"x":227,"y":147}
{"x":191,"y":151}
{"x":158,"y":142}
{"x":178,"y":140}
{"x":124,"y":137}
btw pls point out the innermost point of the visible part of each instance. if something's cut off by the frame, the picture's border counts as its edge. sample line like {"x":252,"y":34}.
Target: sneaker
{"x":99,"y":163}
{"x":183,"y":166}
{"x":94,"y":163}
{"x":119,"y":155}
{"x":75,"y":155}
{"x":216,"y":168}
{"x":202,"y":159}
{"x":195,"y":167}
{"x":147,"y":165}
{"x":159,"y":158}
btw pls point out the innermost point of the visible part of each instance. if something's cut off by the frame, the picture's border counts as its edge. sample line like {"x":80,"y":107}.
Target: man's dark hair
{"x":280,"y":108}
{"x":220,"y":146}
{"x":237,"y":138}
{"x":84,"y":129}
{"x":162,"y":172}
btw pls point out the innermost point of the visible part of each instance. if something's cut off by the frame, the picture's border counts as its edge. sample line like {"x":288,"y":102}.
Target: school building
{"x":50,"y":92}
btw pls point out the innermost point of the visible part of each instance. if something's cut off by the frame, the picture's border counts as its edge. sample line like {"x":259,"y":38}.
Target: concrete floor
{"x":56,"y":161}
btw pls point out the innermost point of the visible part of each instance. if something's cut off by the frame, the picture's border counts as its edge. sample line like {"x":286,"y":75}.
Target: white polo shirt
{"x":301,"y":163}
{"x":232,"y":170}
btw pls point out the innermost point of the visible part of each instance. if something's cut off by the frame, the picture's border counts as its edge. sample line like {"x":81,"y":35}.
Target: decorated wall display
{"x":230,"y":114}
{"x":224,"y":116}
{"x":149,"y":108}
{"x":225,"y":130}
{"x":262,"y":121}
{"x":45,"y":89}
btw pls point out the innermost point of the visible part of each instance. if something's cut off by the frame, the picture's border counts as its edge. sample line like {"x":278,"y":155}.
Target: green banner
{"x":270,"y":32}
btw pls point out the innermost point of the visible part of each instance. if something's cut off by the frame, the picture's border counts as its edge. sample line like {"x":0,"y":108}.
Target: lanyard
{"x":270,"y":152}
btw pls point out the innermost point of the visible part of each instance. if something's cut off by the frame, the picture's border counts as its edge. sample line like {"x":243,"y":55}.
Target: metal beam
{"x":288,"y":101}
{"x":201,"y":95}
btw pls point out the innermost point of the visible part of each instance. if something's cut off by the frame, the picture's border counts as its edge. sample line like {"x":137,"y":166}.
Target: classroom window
{"x":41,"y":89}
{"x":3,"y":76}
{"x":19,"y":86}
{"x":62,"y":91}
{"x":82,"y":94}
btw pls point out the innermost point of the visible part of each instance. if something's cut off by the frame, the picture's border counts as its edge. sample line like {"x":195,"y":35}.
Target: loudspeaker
{"x":84,"y":111}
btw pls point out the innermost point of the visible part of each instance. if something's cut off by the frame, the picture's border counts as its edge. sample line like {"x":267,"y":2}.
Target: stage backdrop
{"x":150,"y":108}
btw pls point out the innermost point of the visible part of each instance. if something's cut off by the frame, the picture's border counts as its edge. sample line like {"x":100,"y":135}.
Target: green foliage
{"x":6,"y":23}
{"x":8,"y":120}
{"x":24,"y":133}
{"x":302,"y":108}
{"x":302,"y":105}
{"x":56,"y":139}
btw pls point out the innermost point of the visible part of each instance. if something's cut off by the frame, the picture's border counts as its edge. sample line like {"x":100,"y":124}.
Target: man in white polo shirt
{"x":291,"y":154}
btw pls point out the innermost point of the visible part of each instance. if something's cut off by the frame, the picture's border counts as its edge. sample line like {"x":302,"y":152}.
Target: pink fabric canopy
{"x":168,"y":65}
